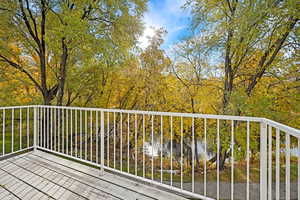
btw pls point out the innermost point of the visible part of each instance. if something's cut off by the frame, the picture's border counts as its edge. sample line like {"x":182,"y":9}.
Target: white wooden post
{"x":263,"y":162}
{"x":35,"y":121}
{"x":102,"y":142}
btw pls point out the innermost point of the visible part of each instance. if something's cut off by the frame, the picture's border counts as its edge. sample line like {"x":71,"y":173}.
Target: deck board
{"x":39,"y":175}
{"x":5,"y":194}
{"x":55,"y":177}
{"x":107,"y":187}
{"x":114,"y":181}
{"x":17,"y":180}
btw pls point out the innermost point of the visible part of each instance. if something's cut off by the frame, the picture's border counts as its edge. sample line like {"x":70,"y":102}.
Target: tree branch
{"x":264,"y":63}
{"x":32,"y":19}
{"x":21,"y":69}
{"x":36,"y":39}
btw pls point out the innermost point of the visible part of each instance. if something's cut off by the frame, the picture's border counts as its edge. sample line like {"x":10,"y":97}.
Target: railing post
{"x":34,"y":128}
{"x":263,"y":161}
{"x":102,"y":142}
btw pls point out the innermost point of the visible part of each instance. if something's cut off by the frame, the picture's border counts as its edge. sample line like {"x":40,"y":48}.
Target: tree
{"x":154,"y":64}
{"x":192,"y":68}
{"x":54,"y":36}
{"x":238,"y":31}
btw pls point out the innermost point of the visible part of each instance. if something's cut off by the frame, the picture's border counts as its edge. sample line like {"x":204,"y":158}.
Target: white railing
{"x":193,"y":154}
{"x":17,"y":130}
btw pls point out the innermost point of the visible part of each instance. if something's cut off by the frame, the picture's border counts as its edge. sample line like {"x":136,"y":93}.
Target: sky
{"x":169,"y":15}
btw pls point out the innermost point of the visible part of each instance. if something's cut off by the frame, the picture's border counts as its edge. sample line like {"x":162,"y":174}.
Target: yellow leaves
{"x":14,"y":48}
{"x":13,"y":92}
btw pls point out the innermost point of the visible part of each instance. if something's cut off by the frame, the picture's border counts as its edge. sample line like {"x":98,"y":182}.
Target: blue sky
{"x":168,"y":15}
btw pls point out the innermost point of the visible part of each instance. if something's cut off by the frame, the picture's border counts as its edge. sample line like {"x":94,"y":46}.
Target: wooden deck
{"x":40,"y":175}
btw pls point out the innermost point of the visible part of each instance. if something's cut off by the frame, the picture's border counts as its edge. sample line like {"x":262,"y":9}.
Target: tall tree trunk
{"x":229,"y":76}
{"x":62,"y":73}
{"x":47,"y":99}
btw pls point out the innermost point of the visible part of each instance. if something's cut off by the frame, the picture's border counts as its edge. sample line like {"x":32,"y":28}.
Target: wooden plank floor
{"x":39,"y":175}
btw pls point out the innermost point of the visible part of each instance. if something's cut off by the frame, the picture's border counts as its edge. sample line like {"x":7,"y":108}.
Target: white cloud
{"x":165,"y":14}
{"x":144,"y":41}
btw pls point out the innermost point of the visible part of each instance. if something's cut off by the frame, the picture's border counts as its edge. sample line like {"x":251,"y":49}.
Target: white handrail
{"x":17,"y":107}
{"x":290,"y":130}
{"x":156,"y":113}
